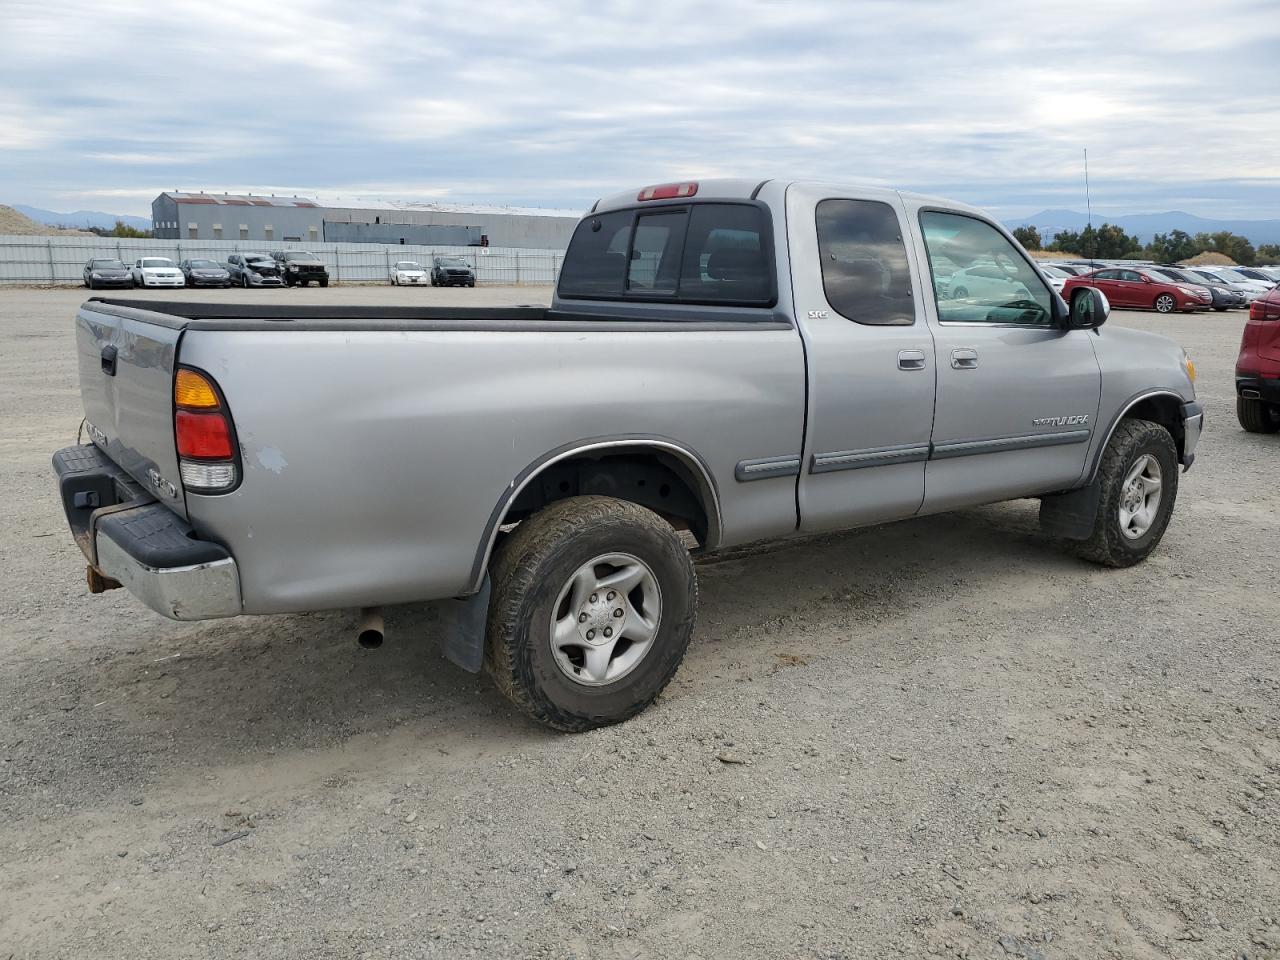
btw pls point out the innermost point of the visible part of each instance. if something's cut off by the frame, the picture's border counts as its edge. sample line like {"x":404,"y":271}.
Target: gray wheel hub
{"x":1140,"y":496}
{"x":605,"y":619}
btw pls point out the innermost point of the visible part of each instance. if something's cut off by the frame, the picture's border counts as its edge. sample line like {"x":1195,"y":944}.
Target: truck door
{"x":1017,"y":396}
{"x":869,"y":353}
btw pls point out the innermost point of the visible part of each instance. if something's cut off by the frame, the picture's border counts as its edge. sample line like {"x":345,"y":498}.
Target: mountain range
{"x":1145,"y":225}
{"x":81,"y":219}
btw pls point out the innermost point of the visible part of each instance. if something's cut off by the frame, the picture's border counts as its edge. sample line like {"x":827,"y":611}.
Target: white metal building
{"x":181,"y":215}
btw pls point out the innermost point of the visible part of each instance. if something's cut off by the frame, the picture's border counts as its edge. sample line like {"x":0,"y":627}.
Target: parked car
{"x":1055,"y":275}
{"x":301,"y":267}
{"x":254,"y":270}
{"x":407,"y":272}
{"x":1132,"y":288}
{"x":1224,"y":298}
{"x":452,"y":272}
{"x":1071,"y":269}
{"x":1258,"y":366}
{"x":1261,"y":274}
{"x":983,"y":281}
{"x":156,"y":272}
{"x":205,"y":273}
{"x":106,"y":272}
{"x":1250,"y":288}
{"x":760,"y":360}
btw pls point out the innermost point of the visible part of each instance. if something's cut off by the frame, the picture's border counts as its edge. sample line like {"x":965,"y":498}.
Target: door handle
{"x":964,"y":358}
{"x":910,"y":359}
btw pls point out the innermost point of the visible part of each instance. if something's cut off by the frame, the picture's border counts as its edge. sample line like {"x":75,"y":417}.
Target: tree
{"x":1171,"y":247}
{"x":1269,"y":252}
{"x":1228,"y":244}
{"x":1107,"y":242}
{"x":1066,"y":241}
{"x":1028,"y":236}
{"x":121,"y":229}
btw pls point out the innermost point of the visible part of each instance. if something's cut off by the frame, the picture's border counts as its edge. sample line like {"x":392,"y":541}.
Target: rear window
{"x":714,"y":253}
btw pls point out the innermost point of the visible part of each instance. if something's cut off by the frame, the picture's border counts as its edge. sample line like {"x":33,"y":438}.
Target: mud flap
{"x":1071,"y":515}
{"x":462,"y":624}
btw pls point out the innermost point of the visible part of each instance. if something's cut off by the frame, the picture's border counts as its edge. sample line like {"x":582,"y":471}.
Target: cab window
{"x":993,"y":282}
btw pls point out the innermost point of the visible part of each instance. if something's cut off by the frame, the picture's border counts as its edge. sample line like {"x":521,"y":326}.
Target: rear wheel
{"x":592,"y":608}
{"x":1165,"y":303}
{"x":1257,"y":416}
{"x":324,"y":282}
{"x":959,"y":293}
{"x":1139,"y":484}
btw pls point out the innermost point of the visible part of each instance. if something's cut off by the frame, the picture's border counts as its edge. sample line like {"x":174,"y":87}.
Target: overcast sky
{"x":103,"y":105}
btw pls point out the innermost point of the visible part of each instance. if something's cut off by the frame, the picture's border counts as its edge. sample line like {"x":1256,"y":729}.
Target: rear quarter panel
{"x":374,"y":459}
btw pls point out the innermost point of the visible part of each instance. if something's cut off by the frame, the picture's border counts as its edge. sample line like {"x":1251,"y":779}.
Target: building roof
{"x":355,"y":203}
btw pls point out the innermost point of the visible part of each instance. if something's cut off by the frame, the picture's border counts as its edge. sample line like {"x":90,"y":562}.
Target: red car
{"x":1258,"y":366}
{"x":1138,"y":287}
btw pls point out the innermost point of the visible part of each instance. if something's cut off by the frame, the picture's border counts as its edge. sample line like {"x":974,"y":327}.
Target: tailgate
{"x":127,"y":359}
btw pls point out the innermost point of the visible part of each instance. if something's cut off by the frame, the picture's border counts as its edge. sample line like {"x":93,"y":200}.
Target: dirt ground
{"x":939,"y":737}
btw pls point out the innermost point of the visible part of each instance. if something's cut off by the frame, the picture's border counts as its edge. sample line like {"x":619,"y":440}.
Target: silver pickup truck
{"x":723,"y":362}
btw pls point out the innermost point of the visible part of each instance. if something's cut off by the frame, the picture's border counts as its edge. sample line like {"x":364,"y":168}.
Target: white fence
{"x":61,"y":260}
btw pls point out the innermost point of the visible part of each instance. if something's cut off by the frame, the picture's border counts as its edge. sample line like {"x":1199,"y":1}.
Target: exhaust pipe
{"x":370,"y":630}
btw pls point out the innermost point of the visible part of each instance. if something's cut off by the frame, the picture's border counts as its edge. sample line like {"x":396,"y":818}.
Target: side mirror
{"x":1089,"y":309}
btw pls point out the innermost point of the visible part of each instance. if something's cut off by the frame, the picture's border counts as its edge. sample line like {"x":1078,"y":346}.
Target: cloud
{"x":554,"y":103}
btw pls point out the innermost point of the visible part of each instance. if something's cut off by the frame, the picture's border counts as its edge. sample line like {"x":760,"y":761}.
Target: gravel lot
{"x":942,"y":736}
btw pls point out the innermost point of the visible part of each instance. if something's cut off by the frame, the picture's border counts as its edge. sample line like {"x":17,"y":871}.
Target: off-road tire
{"x":1257,"y":416}
{"x":1107,"y":545}
{"x":528,"y":571}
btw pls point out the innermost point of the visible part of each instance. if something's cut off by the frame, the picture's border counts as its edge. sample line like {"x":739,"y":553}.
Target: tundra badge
{"x":1061,"y":421}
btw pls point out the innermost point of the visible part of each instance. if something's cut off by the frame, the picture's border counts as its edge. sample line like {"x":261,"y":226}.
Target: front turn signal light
{"x":1189,"y":365}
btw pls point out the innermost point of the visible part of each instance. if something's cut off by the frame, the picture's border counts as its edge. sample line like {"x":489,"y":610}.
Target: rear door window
{"x":864,"y":262}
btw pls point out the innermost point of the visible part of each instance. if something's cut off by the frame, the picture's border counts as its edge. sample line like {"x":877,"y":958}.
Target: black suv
{"x":299,"y":266}
{"x":452,"y":272}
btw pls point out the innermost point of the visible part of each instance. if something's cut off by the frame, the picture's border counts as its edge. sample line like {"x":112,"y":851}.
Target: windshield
{"x":202,"y":265}
{"x":106,"y":265}
{"x":407,"y":265}
{"x":1179,"y":275}
{"x":1055,"y":272}
{"x":1231,"y":275}
{"x":258,"y":258}
{"x":1208,"y":275}
{"x":453,"y":262}
{"x":300,"y":255}
{"x":157,"y":262}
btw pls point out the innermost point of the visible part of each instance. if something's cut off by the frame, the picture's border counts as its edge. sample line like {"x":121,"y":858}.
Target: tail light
{"x":208,"y":455}
{"x":1265,"y":309}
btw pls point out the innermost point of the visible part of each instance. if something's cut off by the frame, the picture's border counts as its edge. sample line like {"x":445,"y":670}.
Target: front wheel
{"x":592,"y":608}
{"x":1165,"y":303}
{"x":1257,"y":416}
{"x":1138,"y":480}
